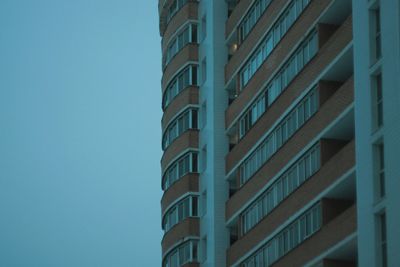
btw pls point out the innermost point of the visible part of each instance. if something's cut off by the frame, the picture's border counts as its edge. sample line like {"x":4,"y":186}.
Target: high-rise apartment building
{"x":280,"y":132}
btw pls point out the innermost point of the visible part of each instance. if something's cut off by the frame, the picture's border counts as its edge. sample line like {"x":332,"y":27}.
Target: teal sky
{"x":80,"y":133}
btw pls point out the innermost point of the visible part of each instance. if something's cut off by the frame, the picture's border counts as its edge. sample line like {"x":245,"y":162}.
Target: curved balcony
{"x":188,"y":96}
{"x":190,"y":53}
{"x":187,"y":12}
{"x":188,"y":227}
{"x":188,"y":183}
{"x":189,"y":139}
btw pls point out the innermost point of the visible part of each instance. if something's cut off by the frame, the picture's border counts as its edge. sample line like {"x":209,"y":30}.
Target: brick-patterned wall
{"x":331,"y":208}
{"x":291,"y":38}
{"x":325,"y":32}
{"x":187,"y":183}
{"x":330,"y":147}
{"x":189,"y":139}
{"x":245,"y":48}
{"x":338,"y":41}
{"x":236,"y":16}
{"x":328,"y":112}
{"x":326,"y":176}
{"x":334,"y":232}
{"x":269,"y":118}
{"x":188,"y":96}
{"x":188,"y":12}
{"x":189,"y":53}
{"x":310,"y":73}
{"x":187,"y":227}
{"x":326,"y":90}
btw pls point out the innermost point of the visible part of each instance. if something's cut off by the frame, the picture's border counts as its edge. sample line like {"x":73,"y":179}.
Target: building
{"x":279,"y":132}
{"x":377,"y":72}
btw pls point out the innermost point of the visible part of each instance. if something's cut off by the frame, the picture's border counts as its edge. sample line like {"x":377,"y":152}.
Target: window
{"x":379,"y":166}
{"x":266,"y":46}
{"x":278,"y":84}
{"x":185,"y":164}
{"x":375,"y":34}
{"x":378,"y":49}
{"x":186,"y":36}
{"x":187,"y":77}
{"x":287,"y":239}
{"x":377,"y":99}
{"x":278,"y":136}
{"x":187,"y":207}
{"x":174,"y":8}
{"x":382,"y":240}
{"x":184,"y":253}
{"x":187,"y":120}
{"x":281,"y":188}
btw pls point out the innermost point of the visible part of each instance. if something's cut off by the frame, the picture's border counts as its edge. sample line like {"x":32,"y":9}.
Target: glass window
{"x":273,"y":37}
{"x":379,"y":170}
{"x":378,"y":49}
{"x":383,"y":240}
{"x":300,"y":114}
{"x":286,"y":240}
{"x":179,"y":126}
{"x":194,"y":206}
{"x":180,"y":82}
{"x":173,"y":173}
{"x":277,"y":34}
{"x":306,"y":53}
{"x":277,"y":138}
{"x":378,"y":101}
{"x":313,"y":45}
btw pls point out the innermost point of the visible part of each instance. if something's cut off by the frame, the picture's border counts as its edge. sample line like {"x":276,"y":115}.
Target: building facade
{"x":376,"y":46}
{"x":279,"y":132}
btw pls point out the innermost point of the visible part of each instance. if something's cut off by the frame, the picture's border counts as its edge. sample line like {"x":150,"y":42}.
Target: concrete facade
{"x":371,"y":203}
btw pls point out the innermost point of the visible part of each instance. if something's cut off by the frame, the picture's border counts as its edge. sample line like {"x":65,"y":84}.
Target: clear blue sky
{"x":79,"y":133}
